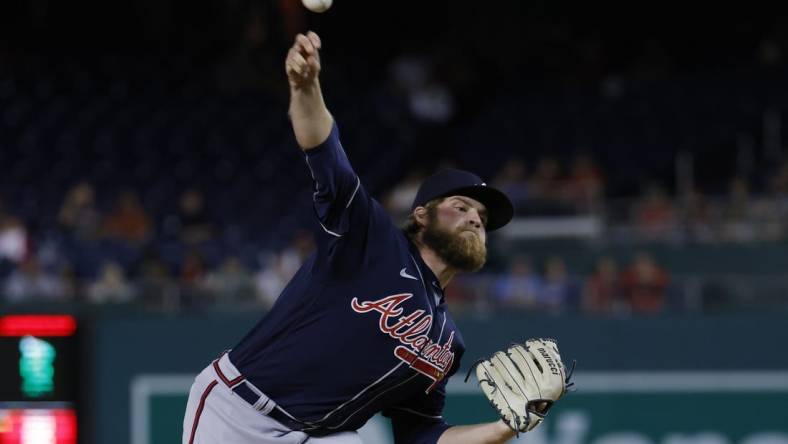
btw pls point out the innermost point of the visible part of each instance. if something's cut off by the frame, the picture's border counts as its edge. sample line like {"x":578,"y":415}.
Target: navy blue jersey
{"x":363,"y":326}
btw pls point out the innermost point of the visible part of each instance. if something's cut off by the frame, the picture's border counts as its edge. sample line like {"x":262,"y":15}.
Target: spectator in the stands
{"x":156,"y":287}
{"x":279,"y":267}
{"x":737,"y":215}
{"x":512,"y":179}
{"x":519,"y":287}
{"x":397,"y":202}
{"x":557,"y":291}
{"x":78,"y":214}
{"x":111,"y":287}
{"x":72,"y":285}
{"x":231,"y":284}
{"x":645,"y":285}
{"x":655,"y":215}
{"x":193,"y":281}
{"x":194,"y":222}
{"x":14,"y":242}
{"x":468,"y":294}
{"x":545,"y":183}
{"x":30,"y":282}
{"x":128,"y":221}
{"x":429,"y":98}
{"x":584,"y":187}
{"x":778,"y":198}
{"x":547,"y":191}
{"x":698,"y":216}
{"x":271,"y":279}
{"x":301,"y":246}
{"x":778,"y":183}
{"x":603,"y":293}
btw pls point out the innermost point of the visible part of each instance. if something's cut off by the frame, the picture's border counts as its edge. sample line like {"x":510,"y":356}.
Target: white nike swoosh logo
{"x":405,"y":274}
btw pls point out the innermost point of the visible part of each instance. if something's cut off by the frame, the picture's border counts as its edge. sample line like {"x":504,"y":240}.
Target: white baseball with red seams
{"x":317,"y":5}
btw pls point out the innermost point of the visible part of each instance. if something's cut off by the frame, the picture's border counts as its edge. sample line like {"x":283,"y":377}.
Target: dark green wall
{"x":126,"y":346}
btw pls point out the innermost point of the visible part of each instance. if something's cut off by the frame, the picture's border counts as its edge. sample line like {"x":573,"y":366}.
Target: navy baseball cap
{"x":451,"y":182}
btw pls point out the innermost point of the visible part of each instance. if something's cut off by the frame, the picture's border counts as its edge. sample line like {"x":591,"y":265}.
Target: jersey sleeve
{"x":338,"y":195}
{"x":419,"y":420}
{"x":353,"y":228}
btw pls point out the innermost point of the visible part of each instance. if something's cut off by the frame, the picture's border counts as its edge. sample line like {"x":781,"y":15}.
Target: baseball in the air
{"x":317,"y":5}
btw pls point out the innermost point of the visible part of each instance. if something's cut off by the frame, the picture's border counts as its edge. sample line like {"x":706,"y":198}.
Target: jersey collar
{"x":430,"y":280}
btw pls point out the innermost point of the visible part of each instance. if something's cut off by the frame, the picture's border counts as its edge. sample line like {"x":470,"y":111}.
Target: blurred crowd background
{"x":147,"y":162}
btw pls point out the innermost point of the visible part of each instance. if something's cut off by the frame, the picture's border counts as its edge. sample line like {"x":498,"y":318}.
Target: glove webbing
{"x":527,"y":359}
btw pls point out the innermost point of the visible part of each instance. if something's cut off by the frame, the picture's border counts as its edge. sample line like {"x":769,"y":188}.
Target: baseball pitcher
{"x":363,"y":327}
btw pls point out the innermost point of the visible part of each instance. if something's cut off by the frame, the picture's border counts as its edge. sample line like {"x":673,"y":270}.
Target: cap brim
{"x":499,"y":208}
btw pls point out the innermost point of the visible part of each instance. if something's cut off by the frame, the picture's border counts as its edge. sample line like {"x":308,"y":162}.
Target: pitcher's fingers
{"x":305,"y":45}
{"x":296,"y":68}
{"x":313,"y":63}
{"x":315,"y":39}
{"x":298,"y":60}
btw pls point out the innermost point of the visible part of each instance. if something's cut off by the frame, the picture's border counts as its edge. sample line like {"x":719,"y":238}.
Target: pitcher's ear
{"x":420,"y":215}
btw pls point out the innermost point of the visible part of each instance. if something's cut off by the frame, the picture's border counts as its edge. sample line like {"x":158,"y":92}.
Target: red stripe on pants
{"x":224,"y":379}
{"x":199,"y":409}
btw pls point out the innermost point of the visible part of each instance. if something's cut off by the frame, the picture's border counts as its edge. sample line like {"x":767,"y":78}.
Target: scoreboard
{"x":39,"y":376}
